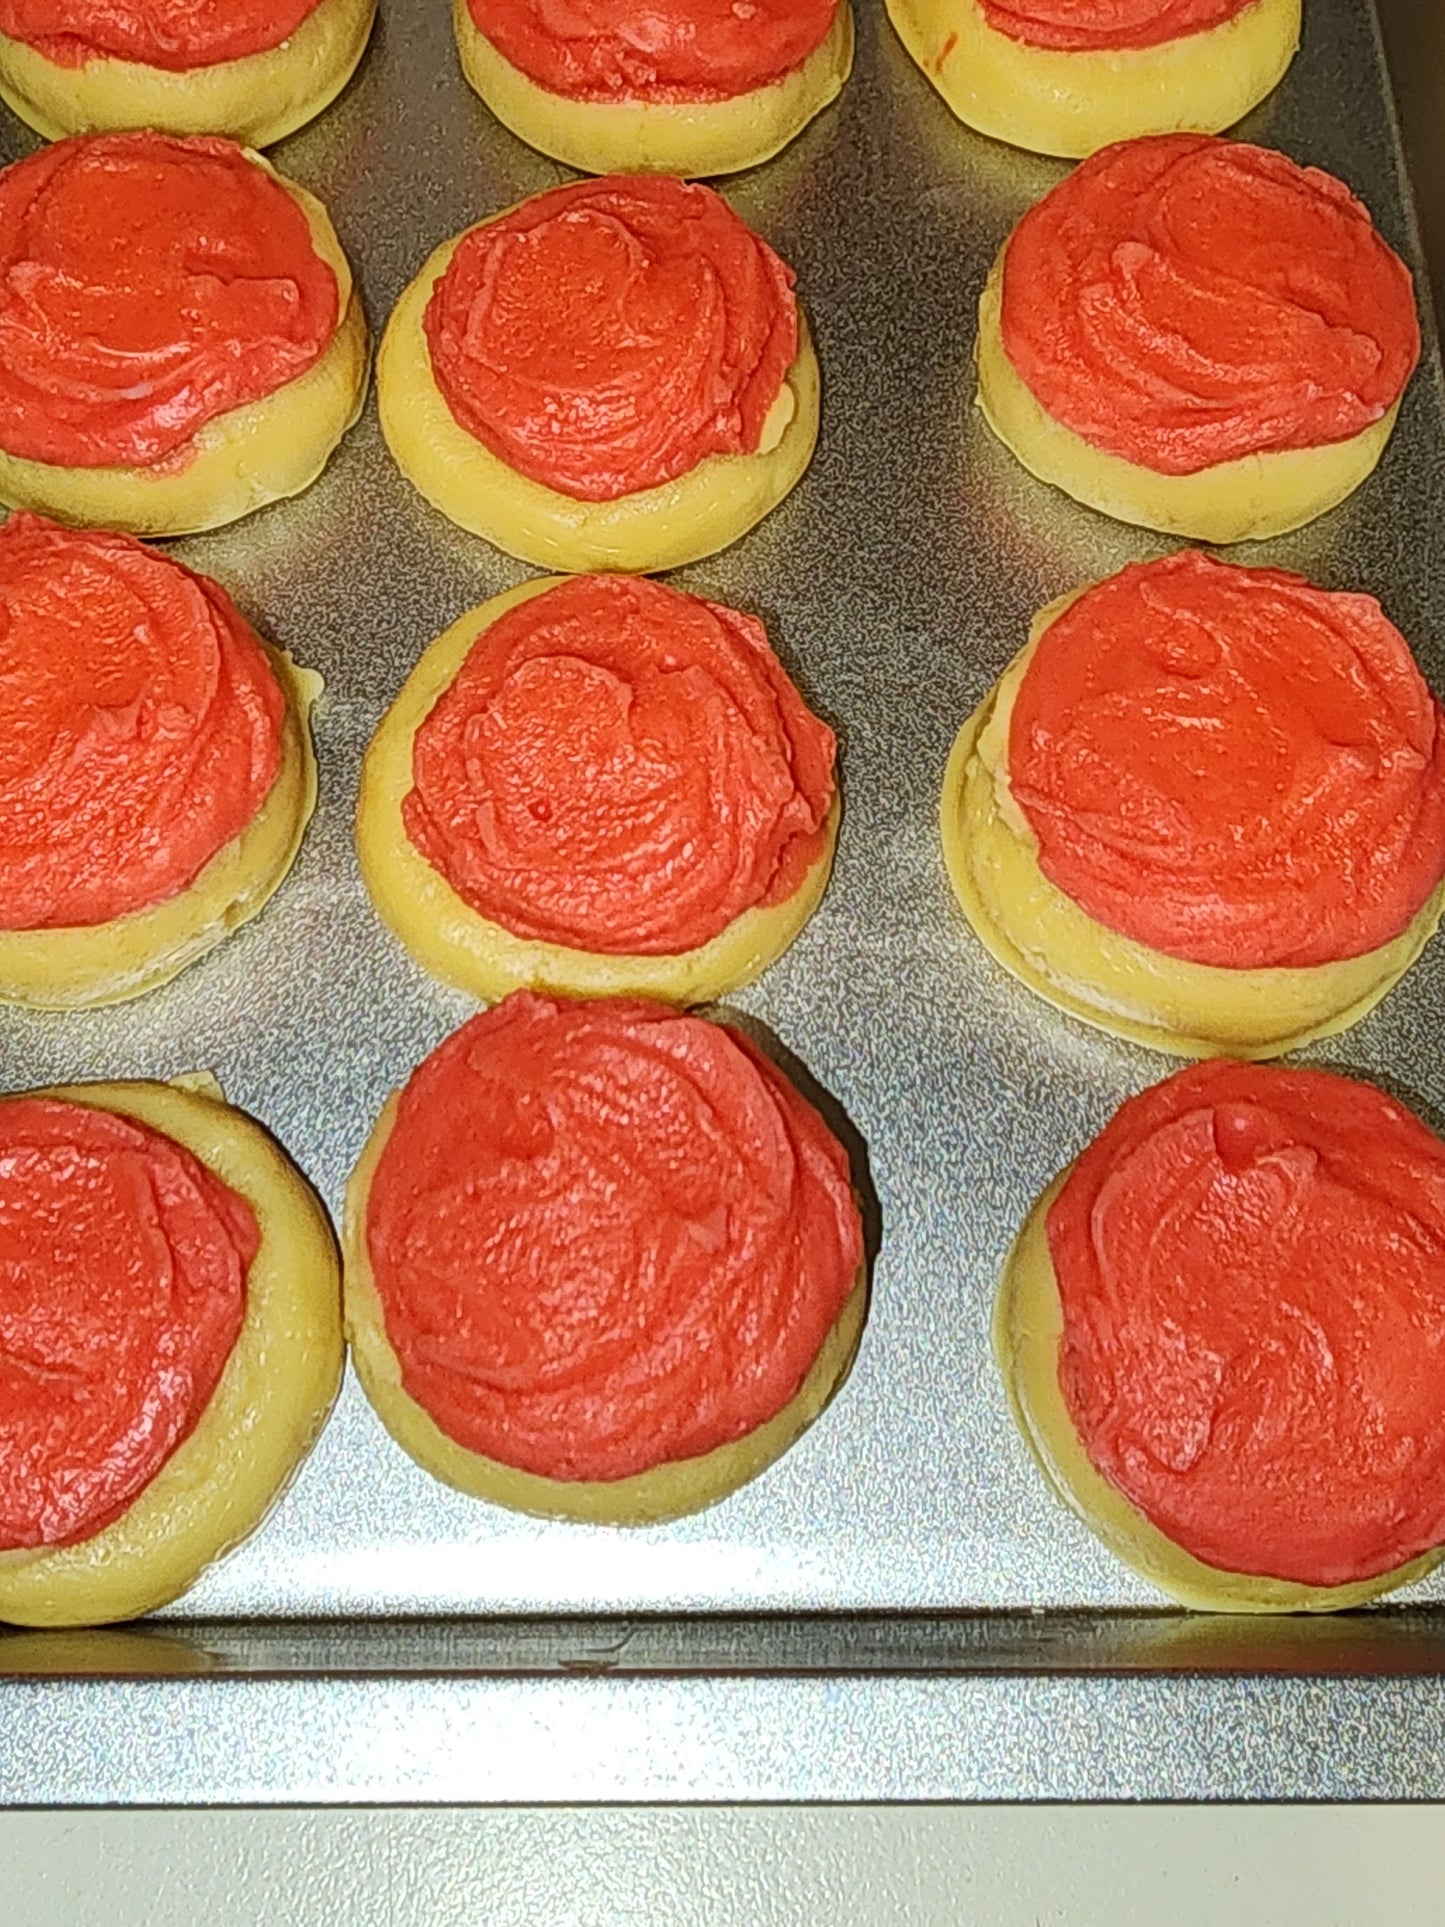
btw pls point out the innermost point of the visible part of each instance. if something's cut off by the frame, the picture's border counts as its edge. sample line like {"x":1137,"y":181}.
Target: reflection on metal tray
{"x":325,"y":1659}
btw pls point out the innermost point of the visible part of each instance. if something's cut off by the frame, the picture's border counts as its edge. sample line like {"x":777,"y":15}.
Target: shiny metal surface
{"x":896,"y":583}
{"x":530,"y":1741}
{"x":1036,"y":1706}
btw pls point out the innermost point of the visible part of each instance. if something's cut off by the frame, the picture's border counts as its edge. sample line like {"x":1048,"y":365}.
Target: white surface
{"x":709,"y":1867}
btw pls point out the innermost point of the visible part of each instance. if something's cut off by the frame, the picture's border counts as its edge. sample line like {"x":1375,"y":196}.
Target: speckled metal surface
{"x":509,"y":1741}
{"x":896,"y":583}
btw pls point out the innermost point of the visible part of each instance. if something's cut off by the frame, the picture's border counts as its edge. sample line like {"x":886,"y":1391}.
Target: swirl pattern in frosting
{"x":1091,"y":26}
{"x":1181,"y":301}
{"x":175,"y":35}
{"x":1251,"y":1264}
{"x":607,"y":336}
{"x":606,"y":1236}
{"x":663,"y":51}
{"x":1232,"y":766}
{"x":147,"y":285}
{"x":620,"y":768}
{"x":140,"y":725}
{"x":123,"y":1266}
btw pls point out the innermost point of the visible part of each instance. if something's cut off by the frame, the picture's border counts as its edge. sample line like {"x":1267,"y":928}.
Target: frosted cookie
{"x":1204,"y":809}
{"x":180,"y":341}
{"x":156,"y":771}
{"x":673,"y":86}
{"x":1063,"y":78}
{"x":599,"y":786}
{"x":602,"y":1261}
{"x":612,"y":375}
{"x":1198,"y":336}
{"x":170,"y":1342}
{"x":1223,"y":1336}
{"x":253,"y":69}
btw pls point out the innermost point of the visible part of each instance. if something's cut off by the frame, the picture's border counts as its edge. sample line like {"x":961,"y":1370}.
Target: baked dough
{"x":107,"y":963}
{"x":1072,"y":103}
{"x":469,"y":951}
{"x":242,"y":459}
{"x":1248,"y":499}
{"x":1027,"y":1332}
{"x":272,"y":1399}
{"x":667,"y":1491}
{"x":694,"y":515}
{"x":257,"y":100}
{"x":1092,"y":972}
{"x":632,"y":136}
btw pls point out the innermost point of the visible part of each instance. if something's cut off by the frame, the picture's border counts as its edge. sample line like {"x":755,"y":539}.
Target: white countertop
{"x":725,"y":1867}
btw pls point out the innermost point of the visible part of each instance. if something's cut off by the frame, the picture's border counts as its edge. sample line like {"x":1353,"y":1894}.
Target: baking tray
{"x":898,"y":1608}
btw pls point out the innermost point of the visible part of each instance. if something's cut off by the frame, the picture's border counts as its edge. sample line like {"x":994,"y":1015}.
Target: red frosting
{"x":1092,"y":26}
{"x":654,"y":50}
{"x":1180,"y":301}
{"x":606,"y":1236}
{"x":619,"y":767}
{"x":1231,"y":766}
{"x":1251,"y":1264}
{"x":140,"y":725}
{"x":147,"y":285}
{"x":605,"y":337}
{"x":177,"y":35}
{"x":123,"y":1267}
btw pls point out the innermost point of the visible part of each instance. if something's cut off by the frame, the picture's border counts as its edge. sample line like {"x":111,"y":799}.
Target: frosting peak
{"x":607,"y":336}
{"x":1092,"y":26}
{"x":660,"y":51}
{"x":620,"y":768}
{"x":176,"y":35}
{"x":1232,"y":766}
{"x":1181,"y":301}
{"x":123,"y":1266}
{"x":606,"y":1236}
{"x":1251,"y":1264}
{"x":140,"y":725}
{"x":147,"y":285}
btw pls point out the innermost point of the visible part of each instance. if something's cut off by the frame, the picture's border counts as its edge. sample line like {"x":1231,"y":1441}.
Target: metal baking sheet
{"x":896,"y":583}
